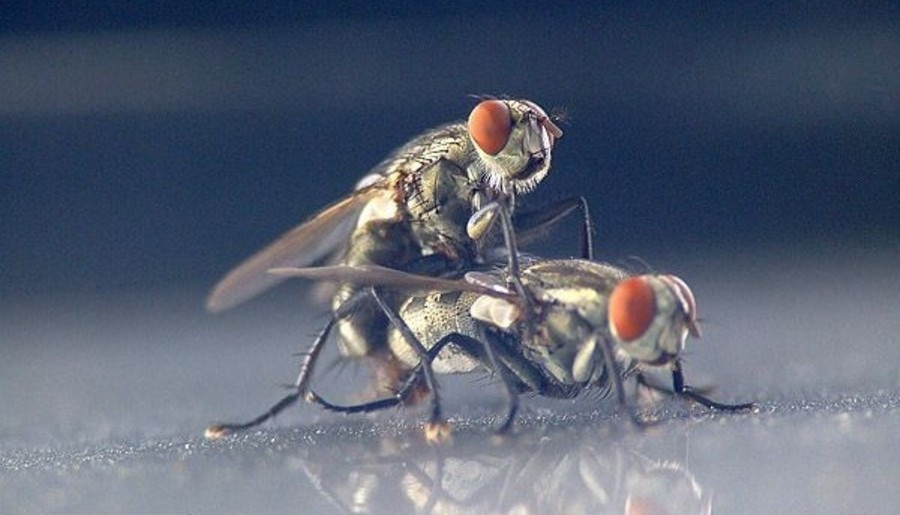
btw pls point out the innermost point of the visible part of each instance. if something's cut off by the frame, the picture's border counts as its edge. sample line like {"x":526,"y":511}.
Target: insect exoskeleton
{"x":580,"y":309}
{"x":411,"y":211}
{"x":440,"y":179}
{"x":651,"y":316}
{"x":550,"y":327}
{"x":580,"y":325}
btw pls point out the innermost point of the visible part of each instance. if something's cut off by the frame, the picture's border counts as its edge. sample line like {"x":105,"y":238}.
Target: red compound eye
{"x":489,"y":125}
{"x":632,"y":307}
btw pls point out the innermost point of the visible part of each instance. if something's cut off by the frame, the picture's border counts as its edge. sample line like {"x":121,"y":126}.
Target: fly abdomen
{"x":434,"y":317}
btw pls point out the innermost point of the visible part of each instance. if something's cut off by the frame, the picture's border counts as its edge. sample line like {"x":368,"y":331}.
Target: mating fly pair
{"x":412,"y":211}
{"x":577,"y":325}
{"x":553,"y":328}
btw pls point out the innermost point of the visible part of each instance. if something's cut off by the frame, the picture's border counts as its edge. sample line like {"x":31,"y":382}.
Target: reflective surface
{"x":115,"y":392}
{"x":750,"y":149}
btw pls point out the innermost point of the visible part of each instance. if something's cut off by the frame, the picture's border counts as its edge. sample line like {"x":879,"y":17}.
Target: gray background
{"x":751,"y":150}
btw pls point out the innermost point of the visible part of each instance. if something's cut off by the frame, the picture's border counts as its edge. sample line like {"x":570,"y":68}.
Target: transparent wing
{"x":311,"y":241}
{"x":374,"y":275}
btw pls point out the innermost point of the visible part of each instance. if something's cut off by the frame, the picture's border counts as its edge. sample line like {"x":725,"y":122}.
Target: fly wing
{"x":311,"y":241}
{"x":375,"y":275}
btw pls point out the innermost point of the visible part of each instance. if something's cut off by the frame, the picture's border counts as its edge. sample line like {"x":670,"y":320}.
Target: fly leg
{"x":301,"y":384}
{"x":478,"y":227}
{"x":532,"y":224}
{"x":517,"y":374}
{"x":436,"y":425}
{"x":402,"y":394}
{"x":437,"y":430}
{"x":690,"y":393}
{"x":300,"y":390}
{"x":504,"y":365}
{"x":614,"y":372}
{"x":512,"y":396}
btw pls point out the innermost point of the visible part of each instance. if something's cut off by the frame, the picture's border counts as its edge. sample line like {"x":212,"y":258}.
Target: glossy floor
{"x":105,"y":399}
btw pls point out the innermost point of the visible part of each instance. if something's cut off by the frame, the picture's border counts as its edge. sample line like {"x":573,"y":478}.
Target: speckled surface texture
{"x":109,"y":415}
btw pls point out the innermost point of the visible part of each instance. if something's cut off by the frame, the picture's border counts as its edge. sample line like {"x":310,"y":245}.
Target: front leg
{"x":533,"y":224}
{"x":482,"y":221}
{"x":614,"y":372}
{"x":437,"y":428}
{"x":478,"y":226}
{"x":690,"y":393}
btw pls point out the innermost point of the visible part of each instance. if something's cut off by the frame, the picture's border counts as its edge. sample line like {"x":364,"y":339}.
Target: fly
{"x":555,"y":328}
{"x":412,"y":210}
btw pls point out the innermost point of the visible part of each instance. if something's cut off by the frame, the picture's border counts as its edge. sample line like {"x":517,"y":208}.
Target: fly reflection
{"x":542,"y":475}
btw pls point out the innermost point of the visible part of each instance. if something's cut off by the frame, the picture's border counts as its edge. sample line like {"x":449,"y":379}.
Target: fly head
{"x":514,"y":140}
{"x":651,"y":316}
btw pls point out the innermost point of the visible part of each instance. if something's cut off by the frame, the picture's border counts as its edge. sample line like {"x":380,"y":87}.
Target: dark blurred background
{"x":153,"y":145}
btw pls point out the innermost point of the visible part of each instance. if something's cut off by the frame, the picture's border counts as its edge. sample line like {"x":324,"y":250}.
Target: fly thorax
{"x":439,"y":203}
{"x":382,"y":242}
{"x":589,"y":303}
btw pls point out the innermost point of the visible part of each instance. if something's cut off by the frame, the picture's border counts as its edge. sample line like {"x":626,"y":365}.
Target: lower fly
{"x":554,"y":328}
